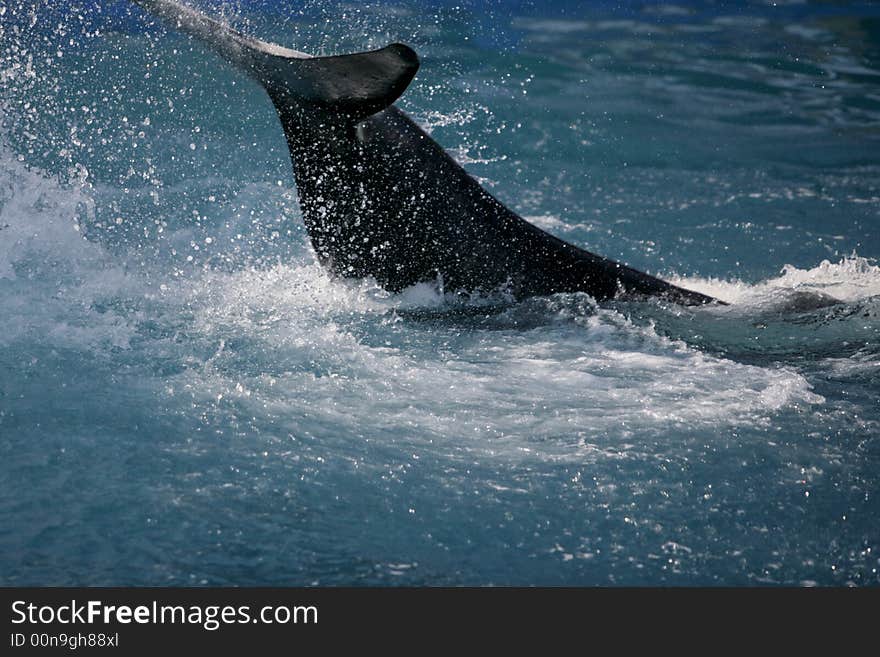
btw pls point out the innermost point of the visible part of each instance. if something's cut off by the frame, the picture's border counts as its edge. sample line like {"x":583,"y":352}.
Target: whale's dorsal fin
{"x":355,"y":85}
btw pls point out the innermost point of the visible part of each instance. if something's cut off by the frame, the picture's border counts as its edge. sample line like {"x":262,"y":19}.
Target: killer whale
{"x":380,"y":198}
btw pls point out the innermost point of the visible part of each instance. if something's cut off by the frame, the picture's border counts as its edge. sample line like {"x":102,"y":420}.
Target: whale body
{"x":380,"y":198}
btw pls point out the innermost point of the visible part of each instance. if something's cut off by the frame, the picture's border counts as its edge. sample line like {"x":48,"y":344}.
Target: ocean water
{"x":187,"y":398}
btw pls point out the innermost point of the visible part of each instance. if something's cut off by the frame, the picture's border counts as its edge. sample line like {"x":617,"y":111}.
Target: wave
{"x":808,"y":318}
{"x":850,"y":279}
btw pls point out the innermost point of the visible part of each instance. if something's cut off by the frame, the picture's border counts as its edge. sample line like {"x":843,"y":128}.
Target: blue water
{"x":186,"y":397}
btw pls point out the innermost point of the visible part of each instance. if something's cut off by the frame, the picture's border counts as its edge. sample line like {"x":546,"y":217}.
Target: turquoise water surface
{"x":187,"y":398}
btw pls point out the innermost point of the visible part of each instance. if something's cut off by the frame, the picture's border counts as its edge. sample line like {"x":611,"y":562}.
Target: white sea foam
{"x":50,"y":276}
{"x":585,"y":388}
